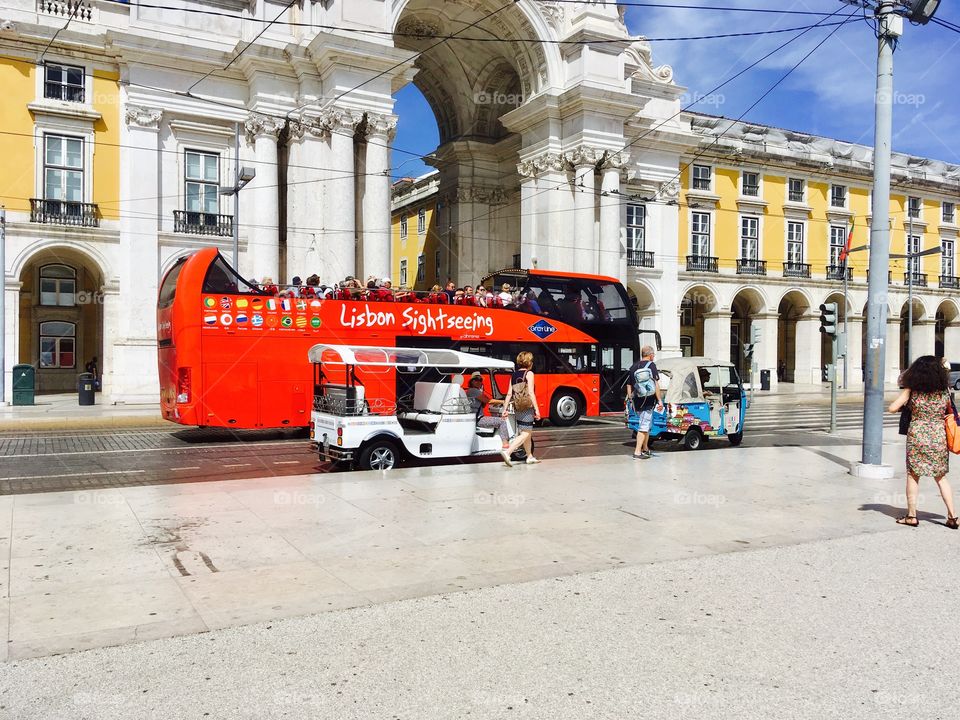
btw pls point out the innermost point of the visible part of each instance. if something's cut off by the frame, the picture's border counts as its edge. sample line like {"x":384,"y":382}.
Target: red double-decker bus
{"x":232,"y":355}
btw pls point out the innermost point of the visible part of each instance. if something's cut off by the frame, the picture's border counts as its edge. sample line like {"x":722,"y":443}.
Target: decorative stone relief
{"x":258,"y":125}
{"x":340,"y":120}
{"x":527,"y":169}
{"x":418,"y":28}
{"x":479,"y":194}
{"x":143,"y":117}
{"x":381,"y":126}
{"x":639,"y":58}
{"x":552,"y":12}
{"x":670,"y":189}
{"x":618,"y":160}
{"x":584,"y":155}
{"x":550,"y":162}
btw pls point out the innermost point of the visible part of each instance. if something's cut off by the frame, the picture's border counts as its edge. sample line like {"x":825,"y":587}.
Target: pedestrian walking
{"x":522,"y":394}
{"x":926,"y":396}
{"x":643,"y":390}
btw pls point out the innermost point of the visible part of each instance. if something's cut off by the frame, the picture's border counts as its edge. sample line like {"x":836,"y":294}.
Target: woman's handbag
{"x":952,"y":425}
{"x":521,"y":395}
{"x":905,"y":418}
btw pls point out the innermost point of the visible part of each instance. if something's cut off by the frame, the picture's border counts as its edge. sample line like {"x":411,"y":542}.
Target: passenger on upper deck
{"x":505,"y":296}
{"x":269,"y":287}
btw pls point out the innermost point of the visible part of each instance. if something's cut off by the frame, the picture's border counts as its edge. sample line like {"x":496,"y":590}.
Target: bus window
{"x":169,"y":288}
{"x":221,"y":278}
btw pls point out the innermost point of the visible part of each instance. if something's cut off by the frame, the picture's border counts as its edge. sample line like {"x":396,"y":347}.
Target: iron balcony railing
{"x":701,"y":263}
{"x":640,"y":258}
{"x":919,"y":279}
{"x":950,"y":281}
{"x":198,"y":223}
{"x":63,"y":212}
{"x":61,"y":91}
{"x":796,"y":270}
{"x":835,"y":272}
{"x":751,"y":267}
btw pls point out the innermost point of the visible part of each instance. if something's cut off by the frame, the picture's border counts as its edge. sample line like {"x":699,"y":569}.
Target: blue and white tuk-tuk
{"x":702,"y":399}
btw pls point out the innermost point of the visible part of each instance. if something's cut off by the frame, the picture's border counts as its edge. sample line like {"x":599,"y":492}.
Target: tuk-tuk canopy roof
{"x":402,"y":357}
{"x":685,"y":383}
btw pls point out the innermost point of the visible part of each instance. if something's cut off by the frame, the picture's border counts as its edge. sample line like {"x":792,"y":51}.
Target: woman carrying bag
{"x":925,"y":392}
{"x":522,"y":394}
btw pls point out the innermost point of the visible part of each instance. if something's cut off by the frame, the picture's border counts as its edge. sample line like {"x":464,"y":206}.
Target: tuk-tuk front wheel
{"x":379,"y":455}
{"x":693,"y":440}
{"x":736,"y":438}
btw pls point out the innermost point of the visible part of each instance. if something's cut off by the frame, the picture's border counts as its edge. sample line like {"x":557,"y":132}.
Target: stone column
{"x":307,"y":160}
{"x":262,"y":199}
{"x":716,"y":335}
{"x":553,"y":204}
{"x":339,"y":212}
{"x":375,"y":205}
{"x":135,"y":347}
{"x":765,"y":353}
{"x":610,"y":225}
{"x":584,"y":161}
{"x":923,"y":338}
{"x":11,"y":289}
{"x":951,"y":341}
{"x":854,"y":357}
{"x":529,"y":245}
{"x":893,"y":350}
{"x":807,"y":368}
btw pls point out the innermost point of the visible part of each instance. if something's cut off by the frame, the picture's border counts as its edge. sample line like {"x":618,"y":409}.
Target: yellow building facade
{"x":419,"y":260}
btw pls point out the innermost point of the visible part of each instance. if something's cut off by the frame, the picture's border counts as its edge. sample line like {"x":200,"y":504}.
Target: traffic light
{"x":828,"y":319}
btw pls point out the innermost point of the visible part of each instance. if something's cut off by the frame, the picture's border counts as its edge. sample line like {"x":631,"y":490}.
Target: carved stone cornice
{"x":380,"y":125}
{"x":486,"y":194}
{"x":616,"y":160}
{"x":670,"y":189}
{"x":309,"y":126}
{"x":259,"y":125}
{"x":527,"y":169}
{"x":550,"y":162}
{"x":584,"y":156}
{"x":340,"y":120}
{"x":143,"y":117}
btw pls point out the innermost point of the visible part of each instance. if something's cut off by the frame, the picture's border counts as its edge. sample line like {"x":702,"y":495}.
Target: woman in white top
{"x":505,"y":295}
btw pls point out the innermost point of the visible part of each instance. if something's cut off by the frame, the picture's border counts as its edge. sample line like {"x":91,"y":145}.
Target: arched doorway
{"x":698,"y":304}
{"x":794,"y":310}
{"x":747,"y":303}
{"x":947,"y":331}
{"x":60,"y":317}
{"x":916,"y":338}
{"x":826,"y":342}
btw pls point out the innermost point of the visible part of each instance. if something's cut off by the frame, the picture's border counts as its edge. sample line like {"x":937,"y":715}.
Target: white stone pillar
{"x":375,"y":206}
{"x":529,"y":246}
{"x":553,"y":205}
{"x":807,"y":369}
{"x":923,"y":339}
{"x":951,"y":340}
{"x":765,"y":353}
{"x":339,"y":212}
{"x":135,"y":350}
{"x":11,"y":325}
{"x":584,"y":161}
{"x":716,"y":336}
{"x":854,"y":359}
{"x":610,"y":226}
{"x":261,"y":199}
{"x":893,"y":350}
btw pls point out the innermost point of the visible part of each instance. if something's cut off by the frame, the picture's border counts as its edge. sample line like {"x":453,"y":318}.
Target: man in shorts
{"x":644,"y":405}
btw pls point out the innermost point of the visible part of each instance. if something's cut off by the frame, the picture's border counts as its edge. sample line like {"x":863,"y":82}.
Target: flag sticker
{"x":285,"y":304}
{"x":225,"y":302}
{"x":241,"y":317}
{"x":242,"y":302}
{"x":315,"y":303}
{"x":271,"y":321}
{"x":257,"y":320}
{"x":226,"y":319}
{"x":209,"y":302}
{"x":301,"y":321}
{"x":286,"y":321}
{"x":210,"y":319}
{"x":256,"y":304}
{"x":301,"y":305}
{"x":314,"y":322}
{"x":271,"y":304}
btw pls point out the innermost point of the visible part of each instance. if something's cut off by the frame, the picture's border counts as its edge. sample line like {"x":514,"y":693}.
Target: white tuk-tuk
{"x":435,"y":420}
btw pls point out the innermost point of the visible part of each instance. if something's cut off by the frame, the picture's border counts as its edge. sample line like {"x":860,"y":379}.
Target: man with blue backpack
{"x":643,"y":390}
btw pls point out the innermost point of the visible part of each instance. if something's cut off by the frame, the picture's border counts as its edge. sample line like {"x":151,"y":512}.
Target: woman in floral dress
{"x":925,"y":389}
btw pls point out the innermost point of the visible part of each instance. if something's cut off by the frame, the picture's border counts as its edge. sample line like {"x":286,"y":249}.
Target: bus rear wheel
{"x":566,"y":407}
{"x":379,"y":455}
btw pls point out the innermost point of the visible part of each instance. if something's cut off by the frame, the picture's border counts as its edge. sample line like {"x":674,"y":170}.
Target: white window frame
{"x":945,"y":217}
{"x":421,"y":221}
{"x":65,"y":68}
{"x":404,"y":229}
{"x":803,"y":189}
{"x":56,"y":365}
{"x":694,"y":178}
{"x":910,"y":208}
{"x":913,"y":244}
{"x":752,"y":222}
{"x":40,"y":85}
{"x":948,"y":262}
{"x":64,"y":127}
{"x":58,"y":281}
{"x":743,"y":184}
{"x":834,"y":249}
{"x":846,"y":195}
{"x":421,"y":268}
{"x":792,"y":241}
{"x":403,"y":272}
{"x":64,"y":168}
{"x":437,"y":259}
{"x":694,"y":234}
{"x":200,"y":181}
{"x":636,"y":231}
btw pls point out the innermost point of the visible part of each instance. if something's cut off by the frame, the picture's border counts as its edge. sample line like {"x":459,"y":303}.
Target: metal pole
{"x":3,"y":305}
{"x":833,"y":384}
{"x":846,"y":354}
{"x":877,"y":284}
{"x":909,"y":255}
{"x":236,"y":199}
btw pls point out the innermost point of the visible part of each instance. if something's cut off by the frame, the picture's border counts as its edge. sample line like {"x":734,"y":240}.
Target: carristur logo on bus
{"x":542,"y":329}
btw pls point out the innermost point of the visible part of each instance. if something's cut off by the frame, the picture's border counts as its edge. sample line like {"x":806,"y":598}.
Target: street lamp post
{"x":244,"y":175}
{"x":911,"y":258}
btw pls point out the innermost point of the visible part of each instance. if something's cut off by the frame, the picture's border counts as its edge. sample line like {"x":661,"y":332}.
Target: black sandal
{"x":906,"y":520}
{"x":953,"y":523}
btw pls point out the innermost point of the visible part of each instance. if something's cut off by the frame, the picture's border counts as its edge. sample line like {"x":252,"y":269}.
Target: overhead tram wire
{"x":716,"y":8}
{"x":76,"y":7}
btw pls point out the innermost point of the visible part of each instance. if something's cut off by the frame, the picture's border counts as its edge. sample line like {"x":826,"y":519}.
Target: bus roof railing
{"x":402,"y":357}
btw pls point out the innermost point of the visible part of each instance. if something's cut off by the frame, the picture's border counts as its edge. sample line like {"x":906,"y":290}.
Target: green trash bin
{"x":24,"y":384}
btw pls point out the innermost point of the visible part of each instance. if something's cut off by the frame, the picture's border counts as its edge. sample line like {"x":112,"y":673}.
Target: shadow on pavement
{"x":895,"y":512}
{"x":225,"y":435}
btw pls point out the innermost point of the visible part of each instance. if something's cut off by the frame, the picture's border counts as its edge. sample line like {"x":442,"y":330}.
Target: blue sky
{"x":830,"y":94}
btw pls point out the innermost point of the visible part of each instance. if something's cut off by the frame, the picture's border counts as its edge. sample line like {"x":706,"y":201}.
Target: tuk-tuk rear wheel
{"x":736,"y":438}
{"x":693,"y":440}
{"x":379,"y":455}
